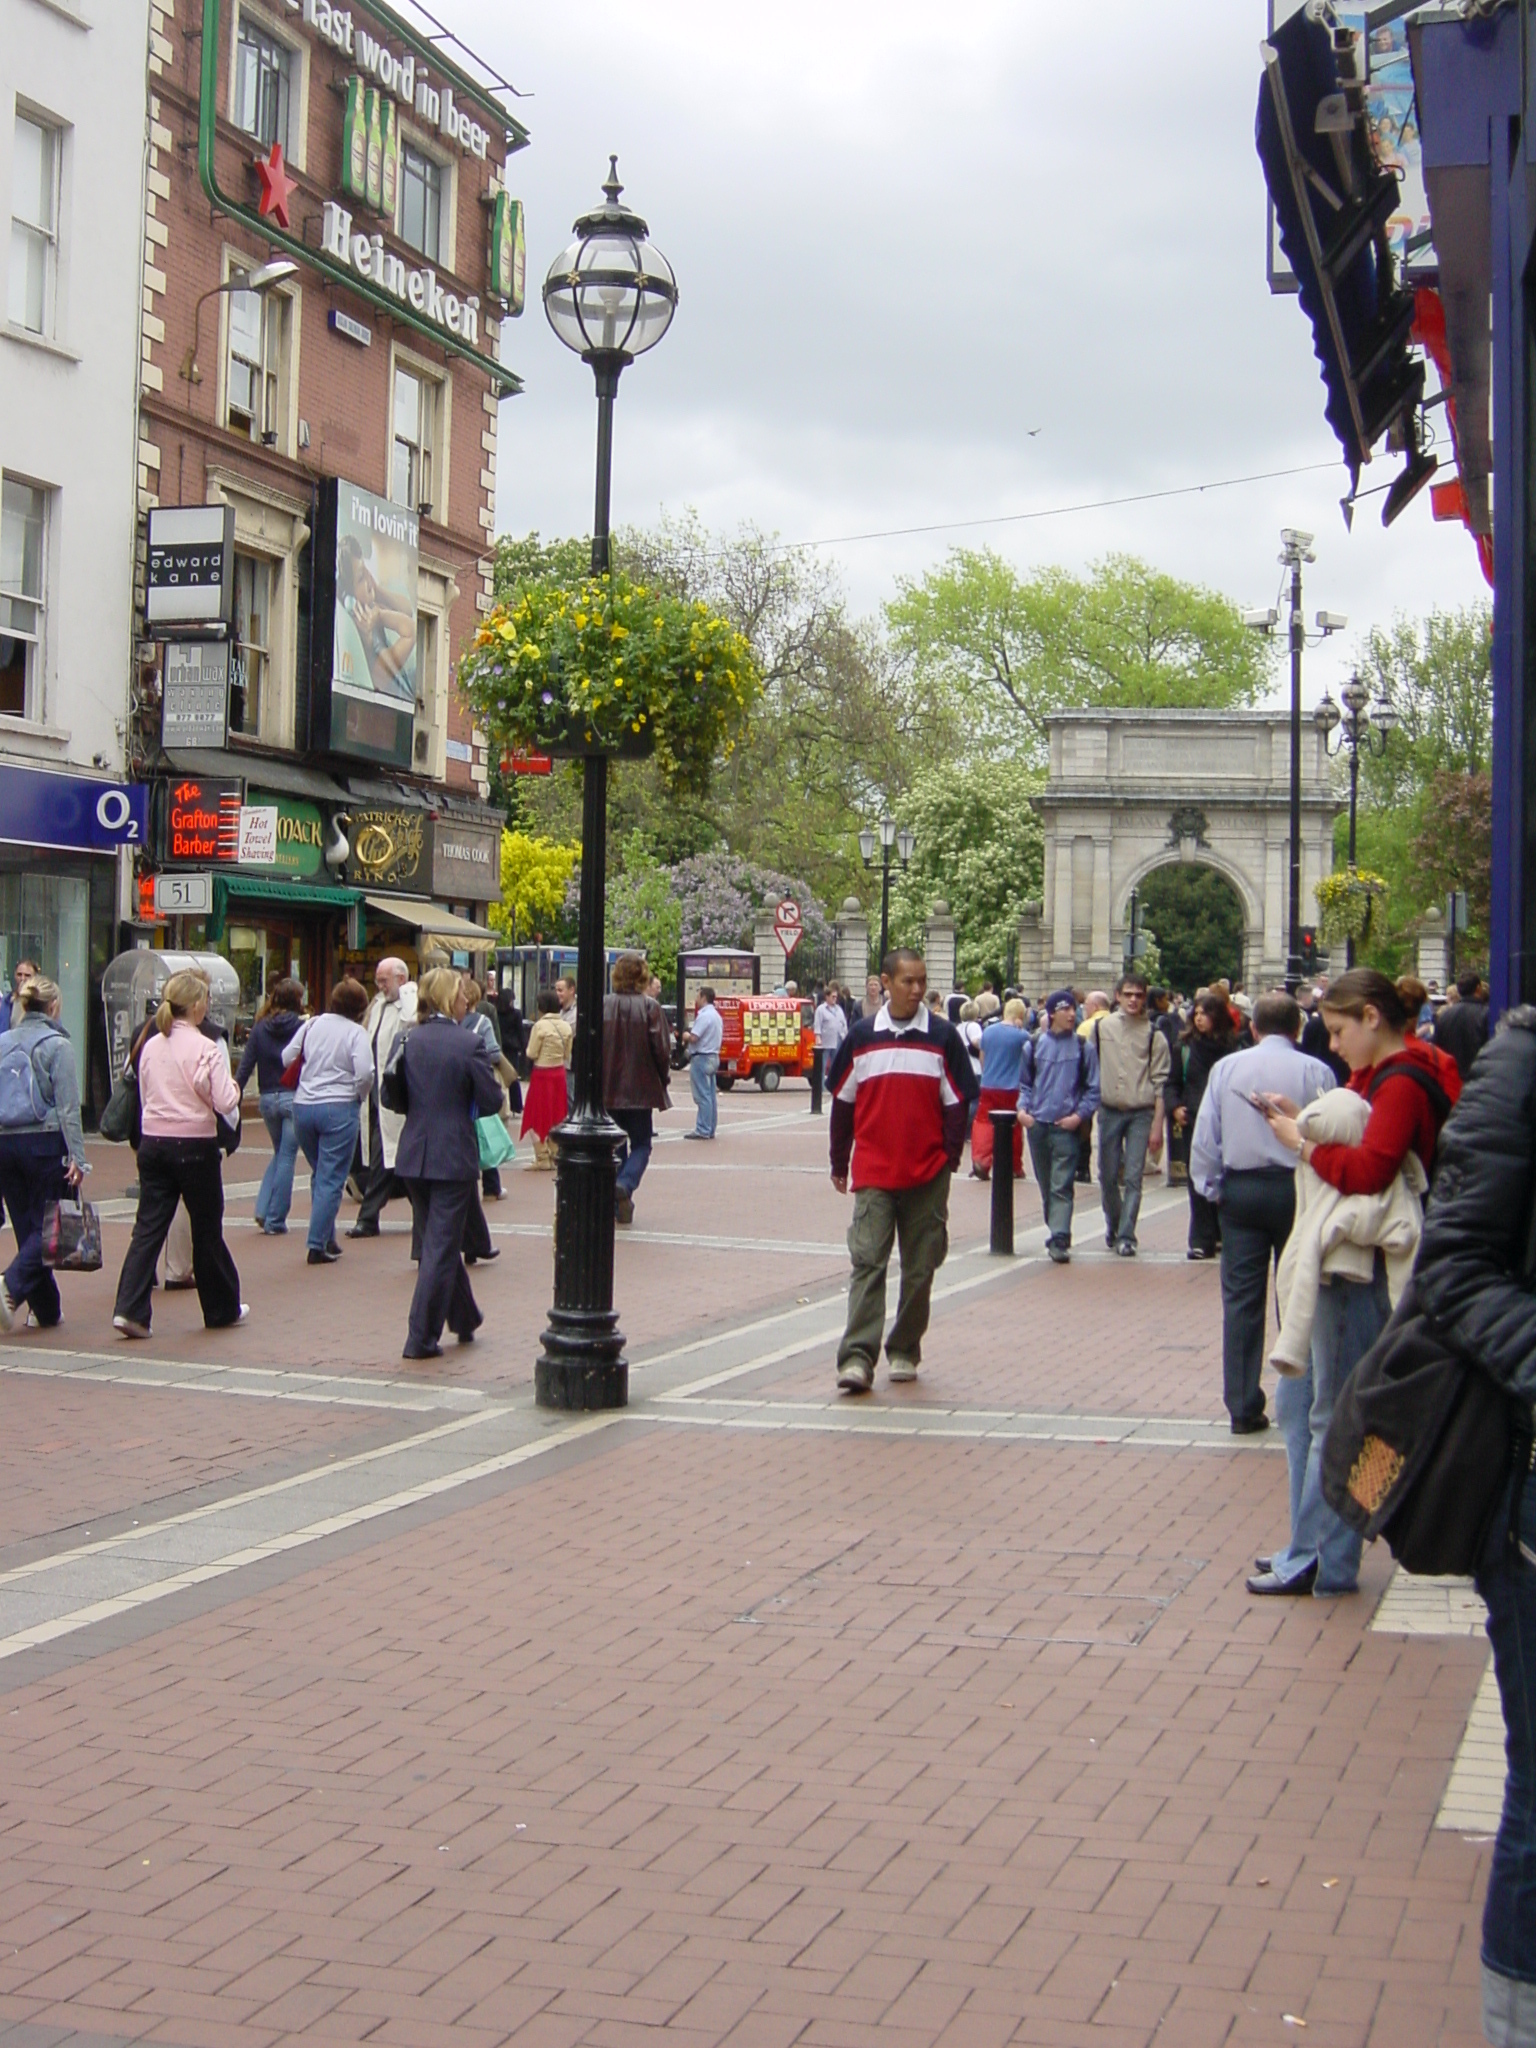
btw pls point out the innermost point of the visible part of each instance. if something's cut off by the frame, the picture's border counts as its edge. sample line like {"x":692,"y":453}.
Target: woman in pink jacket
{"x":184,"y":1086}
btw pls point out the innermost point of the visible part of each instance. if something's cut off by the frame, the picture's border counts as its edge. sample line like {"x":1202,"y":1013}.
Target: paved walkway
{"x":346,"y":1700}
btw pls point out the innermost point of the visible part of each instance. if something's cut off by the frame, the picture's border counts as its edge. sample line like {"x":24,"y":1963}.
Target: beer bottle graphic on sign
{"x":375,"y":151}
{"x":354,"y":142}
{"x":389,"y":173}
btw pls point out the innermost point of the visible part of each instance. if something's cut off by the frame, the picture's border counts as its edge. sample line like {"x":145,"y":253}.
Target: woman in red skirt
{"x":549,"y":1052}
{"x":1002,"y":1051}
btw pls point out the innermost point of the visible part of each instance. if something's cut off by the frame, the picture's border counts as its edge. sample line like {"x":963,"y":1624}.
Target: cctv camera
{"x":1262,"y":622}
{"x":1331,"y":622}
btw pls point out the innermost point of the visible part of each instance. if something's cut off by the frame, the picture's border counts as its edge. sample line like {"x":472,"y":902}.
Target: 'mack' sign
{"x":420,"y":289}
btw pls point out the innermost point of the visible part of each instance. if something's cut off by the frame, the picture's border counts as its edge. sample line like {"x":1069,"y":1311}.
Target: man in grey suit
{"x":443,"y":1078}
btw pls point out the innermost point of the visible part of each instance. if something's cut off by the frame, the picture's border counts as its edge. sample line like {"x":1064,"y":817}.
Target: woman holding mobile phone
{"x":1411,"y":1087}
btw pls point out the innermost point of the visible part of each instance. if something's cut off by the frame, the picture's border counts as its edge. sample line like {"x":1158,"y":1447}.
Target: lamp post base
{"x":581,"y":1363}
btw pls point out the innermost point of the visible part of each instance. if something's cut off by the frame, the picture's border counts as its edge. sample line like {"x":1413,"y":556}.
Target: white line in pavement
{"x":1126,"y":1432}
{"x":293,"y":1539}
{"x":18,"y":1573}
{"x":256,"y":1383}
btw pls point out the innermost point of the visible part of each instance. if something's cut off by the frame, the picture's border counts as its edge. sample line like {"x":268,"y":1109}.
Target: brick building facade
{"x":337,"y":141}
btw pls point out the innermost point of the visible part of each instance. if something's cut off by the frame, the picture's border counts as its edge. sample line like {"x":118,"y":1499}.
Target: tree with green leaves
{"x":643,"y":910}
{"x":980,"y":847}
{"x":1016,"y":648}
{"x":1198,"y":918}
{"x":1425,"y":801}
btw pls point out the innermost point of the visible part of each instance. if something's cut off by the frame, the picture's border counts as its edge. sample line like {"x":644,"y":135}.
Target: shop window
{"x":263,"y":85}
{"x":23,"y":537}
{"x":253,"y":383}
{"x":250,"y":665}
{"x":417,"y":414}
{"x":34,"y":225}
{"x":421,"y":202}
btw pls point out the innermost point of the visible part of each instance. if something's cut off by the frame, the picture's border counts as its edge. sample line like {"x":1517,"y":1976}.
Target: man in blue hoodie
{"x":1058,"y":1092}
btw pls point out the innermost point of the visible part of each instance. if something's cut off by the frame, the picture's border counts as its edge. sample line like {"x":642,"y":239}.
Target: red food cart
{"x":766,"y":1037}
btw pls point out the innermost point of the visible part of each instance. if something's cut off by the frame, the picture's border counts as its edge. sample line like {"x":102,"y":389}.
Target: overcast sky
{"x":941,"y":263}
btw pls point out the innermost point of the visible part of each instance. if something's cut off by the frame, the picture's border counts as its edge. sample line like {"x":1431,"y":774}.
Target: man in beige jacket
{"x":1133,"y":1070}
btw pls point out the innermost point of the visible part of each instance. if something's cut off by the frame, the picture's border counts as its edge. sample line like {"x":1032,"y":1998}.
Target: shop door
{"x":47,"y":919}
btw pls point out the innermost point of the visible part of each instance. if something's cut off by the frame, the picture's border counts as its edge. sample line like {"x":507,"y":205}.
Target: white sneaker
{"x":126,"y":1328}
{"x":901,"y":1368}
{"x":245,"y":1309}
{"x":7,"y":1309}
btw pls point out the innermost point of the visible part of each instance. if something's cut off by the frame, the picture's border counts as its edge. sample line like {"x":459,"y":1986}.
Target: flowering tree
{"x":721,"y":896}
{"x":535,"y":873}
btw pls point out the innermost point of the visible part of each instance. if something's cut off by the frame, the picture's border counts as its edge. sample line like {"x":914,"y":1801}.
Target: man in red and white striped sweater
{"x":901,"y":1086}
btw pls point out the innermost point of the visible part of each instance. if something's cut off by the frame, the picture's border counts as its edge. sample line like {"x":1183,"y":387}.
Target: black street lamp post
{"x":1356,"y":728}
{"x":903,"y":840}
{"x":609,"y":297}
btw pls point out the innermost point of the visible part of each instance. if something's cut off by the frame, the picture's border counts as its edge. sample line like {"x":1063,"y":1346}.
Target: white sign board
{"x":194,"y":694}
{"x":184,"y":895}
{"x":190,"y":570}
{"x":257,"y":844}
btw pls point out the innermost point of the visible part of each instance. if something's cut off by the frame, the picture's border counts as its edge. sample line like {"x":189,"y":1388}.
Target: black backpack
{"x":1440,"y":1103}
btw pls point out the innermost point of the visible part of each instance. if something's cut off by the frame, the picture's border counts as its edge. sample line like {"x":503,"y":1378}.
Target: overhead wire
{"x":1224,"y":483}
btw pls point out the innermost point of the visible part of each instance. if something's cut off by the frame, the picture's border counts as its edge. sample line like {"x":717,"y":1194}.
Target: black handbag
{"x":392,"y":1087}
{"x":121,"y":1119}
{"x":228,"y":1134}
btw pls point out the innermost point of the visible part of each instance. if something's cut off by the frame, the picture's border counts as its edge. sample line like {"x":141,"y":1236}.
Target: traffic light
{"x":1309,"y":949}
{"x":1333,"y":202}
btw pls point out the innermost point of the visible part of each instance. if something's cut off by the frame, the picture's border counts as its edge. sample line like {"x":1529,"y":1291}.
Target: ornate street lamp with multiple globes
{"x":1357,"y":727}
{"x":610,"y":296}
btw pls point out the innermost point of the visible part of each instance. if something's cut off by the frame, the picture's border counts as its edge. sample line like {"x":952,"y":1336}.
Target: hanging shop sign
{"x":202,"y":820}
{"x":466,"y":862}
{"x":300,"y":843}
{"x":508,"y":258}
{"x":256,"y":846}
{"x":389,"y":846}
{"x":189,"y":577}
{"x":71,"y":811}
{"x":194,"y":694}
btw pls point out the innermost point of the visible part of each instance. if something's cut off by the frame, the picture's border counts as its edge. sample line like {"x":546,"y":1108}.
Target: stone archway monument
{"x":1130,"y":791}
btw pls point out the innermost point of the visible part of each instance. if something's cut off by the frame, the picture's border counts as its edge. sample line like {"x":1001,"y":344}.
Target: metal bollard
{"x":1003,"y":1121}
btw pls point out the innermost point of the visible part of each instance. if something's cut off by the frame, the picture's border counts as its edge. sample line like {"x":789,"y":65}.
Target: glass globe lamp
{"x":610,"y":295}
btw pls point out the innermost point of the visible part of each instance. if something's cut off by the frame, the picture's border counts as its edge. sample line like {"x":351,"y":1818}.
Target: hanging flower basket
{"x":613,"y":667}
{"x":1348,"y":902}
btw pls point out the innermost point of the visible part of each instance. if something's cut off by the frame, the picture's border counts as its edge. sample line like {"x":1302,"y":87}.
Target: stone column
{"x":939,"y":943}
{"x":1034,"y":950}
{"x":852,"y":947}
{"x":770,"y":954}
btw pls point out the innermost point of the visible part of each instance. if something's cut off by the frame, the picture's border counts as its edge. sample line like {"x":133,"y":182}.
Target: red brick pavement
{"x":748,"y":1737}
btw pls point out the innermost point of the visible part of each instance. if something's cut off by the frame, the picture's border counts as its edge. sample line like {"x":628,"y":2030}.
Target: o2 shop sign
{"x":71,"y":811}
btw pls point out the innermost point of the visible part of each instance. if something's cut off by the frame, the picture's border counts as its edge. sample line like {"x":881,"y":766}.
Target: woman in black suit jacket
{"x":447,"y":1079}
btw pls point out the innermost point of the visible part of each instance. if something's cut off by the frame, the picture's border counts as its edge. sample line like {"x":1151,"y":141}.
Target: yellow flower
{"x":581,"y":620}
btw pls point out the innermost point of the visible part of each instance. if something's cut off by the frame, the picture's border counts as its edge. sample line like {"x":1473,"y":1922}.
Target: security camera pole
{"x":1295,"y":548}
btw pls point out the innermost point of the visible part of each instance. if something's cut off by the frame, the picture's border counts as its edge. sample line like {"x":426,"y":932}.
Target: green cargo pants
{"x":918,"y":1219}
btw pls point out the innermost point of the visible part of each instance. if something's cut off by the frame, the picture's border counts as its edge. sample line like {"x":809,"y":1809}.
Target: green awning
{"x":277,"y":895}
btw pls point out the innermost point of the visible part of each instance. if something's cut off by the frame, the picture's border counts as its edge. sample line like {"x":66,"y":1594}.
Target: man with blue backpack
{"x":42,"y":1146}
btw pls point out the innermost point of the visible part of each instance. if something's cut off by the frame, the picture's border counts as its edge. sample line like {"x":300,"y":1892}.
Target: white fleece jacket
{"x":1341,"y":1234}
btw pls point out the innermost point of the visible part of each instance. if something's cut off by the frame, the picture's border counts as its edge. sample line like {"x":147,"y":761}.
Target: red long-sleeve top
{"x":1402,"y":1119}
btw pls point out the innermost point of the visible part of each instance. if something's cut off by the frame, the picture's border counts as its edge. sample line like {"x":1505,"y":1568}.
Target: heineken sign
{"x":420,"y":289}
{"x":397,"y":74}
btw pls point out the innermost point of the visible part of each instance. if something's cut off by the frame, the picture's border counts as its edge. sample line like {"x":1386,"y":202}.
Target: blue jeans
{"x":701,"y":1075}
{"x":639,"y":1136}
{"x":327,"y":1135}
{"x":32,"y":1167}
{"x":1509,"y":1917}
{"x":1351,"y":1315}
{"x":1123,"y":1138}
{"x":274,"y":1197}
{"x":1054,"y":1154}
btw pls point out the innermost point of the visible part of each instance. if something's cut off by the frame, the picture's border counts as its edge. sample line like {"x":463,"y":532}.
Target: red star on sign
{"x":276,"y":185}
